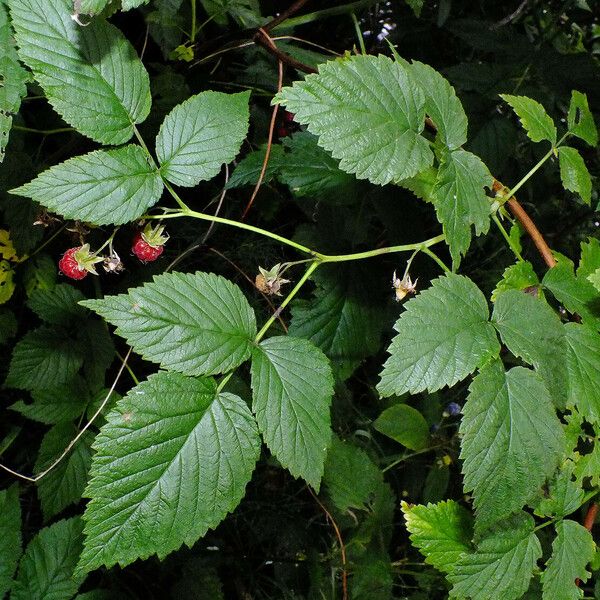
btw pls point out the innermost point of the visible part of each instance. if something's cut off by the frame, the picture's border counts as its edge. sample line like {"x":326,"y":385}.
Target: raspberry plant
{"x":511,"y":367}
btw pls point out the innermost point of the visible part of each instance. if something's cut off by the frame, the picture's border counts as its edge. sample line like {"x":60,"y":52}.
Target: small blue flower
{"x":452,"y":409}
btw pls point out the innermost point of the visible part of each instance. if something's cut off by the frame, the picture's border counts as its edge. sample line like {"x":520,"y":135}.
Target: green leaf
{"x":532,"y":331}
{"x":311,"y":172}
{"x":248,"y":169}
{"x":583,"y":360}
{"x":368,"y":113}
{"x":588,"y":466}
{"x":58,"y":305}
{"x":346,"y":490}
{"x":443,"y":336}
{"x":441,"y":104}
{"x":576,"y":293}
{"x":572,"y":549}
{"x":200,"y":135}
{"x":64,"y":484}
{"x":512,"y":440}
{"x":10,"y":534}
{"x":56,"y":404}
{"x":8,"y":326}
{"x":44,"y":358}
{"x":13,"y":78}
{"x":519,"y":276}
{"x":172,"y":460}
{"x":97,"y":349}
{"x":404,"y":424}
{"x":46,"y":569}
{"x":442,"y":532}
{"x":93,"y":7}
{"x":341,"y":319}
{"x":590,"y":258}
{"x":292,"y":410}
{"x":102,"y":187}
{"x":581,"y":120}
{"x":246,"y":12}
{"x":90,"y":75}
{"x":460,"y":201}
{"x":564,"y":494}
{"x":193,"y":323}
{"x":372,"y":577}
{"x":574,"y":174}
{"x":502,"y":566}
{"x":594,"y":278}
{"x":535,"y":120}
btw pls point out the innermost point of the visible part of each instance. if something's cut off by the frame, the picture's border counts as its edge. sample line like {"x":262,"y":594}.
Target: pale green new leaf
{"x":443,"y":336}
{"x":404,"y":424}
{"x":292,"y":386}
{"x":44,"y":358}
{"x":519,"y":276}
{"x":193,"y":323}
{"x":580,"y":119}
{"x":512,"y":440}
{"x":91,"y":75}
{"x":460,"y":201}
{"x":46,"y":568}
{"x":58,"y":305}
{"x":102,"y":187}
{"x":532,"y":331}
{"x":442,"y":532}
{"x":173,"y":458}
{"x":594,"y":279}
{"x":572,"y":549}
{"x":535,"y":120}
{"x":65,"y":483}
{"x":574,"y":174}
{"x":10,"y":534}
{"x":583,"y":364}
{"x":441,"y":104}
{"x":200,"y":135}
{"x":502,"y":566}
{"x":368,"y":113}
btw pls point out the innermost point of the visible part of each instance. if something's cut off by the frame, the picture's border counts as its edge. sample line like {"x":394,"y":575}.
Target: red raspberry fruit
{"x":143,"y":250}
{"x":69,"y":266}
{"x":288,"y":117}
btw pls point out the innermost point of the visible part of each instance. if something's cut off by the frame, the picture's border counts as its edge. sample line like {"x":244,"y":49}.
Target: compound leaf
{"x":91,"y":75}
{"x":443,"y":336}
{"x":572,"y":549}
{"x":512,"y":440}
{"x":502,"y":566}
{"x":193,"y":323}
{"x":368,"y":113}
{"x":535,"y":120}
{"x":173,"y":458}
{"x":200,"y":135}
{"x":102,"y":187}
{"x":291,"y":408}
{"x":442,"y":532}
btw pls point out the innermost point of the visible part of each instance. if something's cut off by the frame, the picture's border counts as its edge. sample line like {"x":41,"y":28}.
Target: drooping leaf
{"x":43,"y":358}
{"x":572,"y":549}
{"x":173,"y":458}
{"x":443,"y":336}
{"x":195,"y":324}
{"x":367,"y":113}
{"x":441,"y":104}
{"x":502,"y":566}
{"x":583,"y":360}
{"x":535,"y":120}
{"x":574,"y":174}
{"x":248,"y":169}
{"x":346,"y":490}
{"x":460,"y":200}
{"x":102,"y":187}
{"x":291,"y":406}
{"x":580,"y":119}
{"x":58,"y":305}
{"x":200,"y":135}
{"x":10,"y":534}
{"x":532,"y":331}
{"x":519,"y":276}
{"x":404,"y":424}
{"x":46,"y":569}
{"x":90,"y":75}
{"x":65,"y":483}
{"x":512,"y":440}
{"x":442,"y":532}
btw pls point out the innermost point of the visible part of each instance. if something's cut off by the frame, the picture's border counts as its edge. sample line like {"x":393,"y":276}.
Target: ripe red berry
{"x":143,"y":250}
{"x":69,"y":266}
{"x":288,"y":117}
{"x":282,"y":132}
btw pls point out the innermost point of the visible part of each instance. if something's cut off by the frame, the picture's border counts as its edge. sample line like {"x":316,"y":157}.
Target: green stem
{"x":313,"y":266}
{"x":44,"y":244}
{"x":436,"y":259}
{"x":193,"y":34}
{"x":327,"y":12}
{"x":361,"y":41}
{"x":43,"y":131}
{"x":129,"y":369}
{"x":507,"y":237}
{"x":545,"y":524}
{"x":407,"y":456}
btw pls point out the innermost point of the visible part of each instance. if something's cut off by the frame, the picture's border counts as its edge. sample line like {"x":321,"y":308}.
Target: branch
{"x":261,"y":38}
